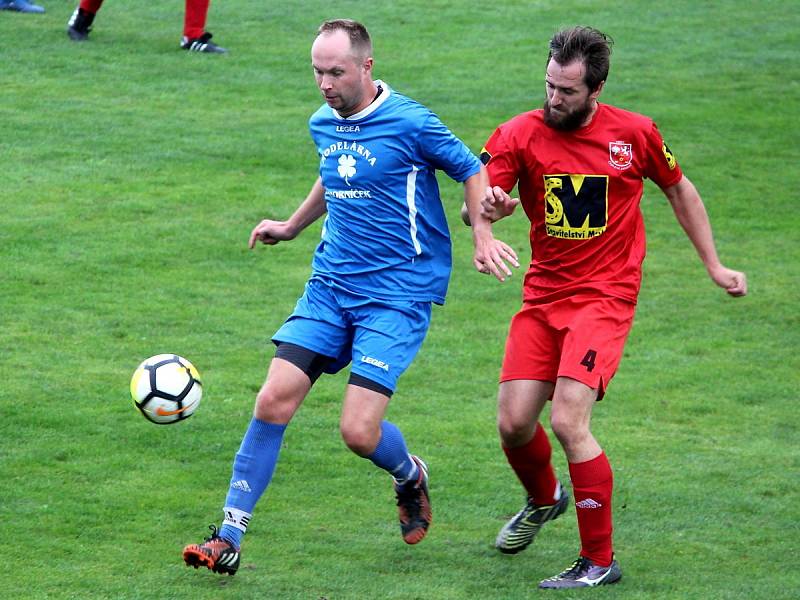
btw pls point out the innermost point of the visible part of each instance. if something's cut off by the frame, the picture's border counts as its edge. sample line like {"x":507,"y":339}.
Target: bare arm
{"x":490,"y":254}
{"x":691,"y":214}
{"x":496,"y":205}
{"x":312,"y":208}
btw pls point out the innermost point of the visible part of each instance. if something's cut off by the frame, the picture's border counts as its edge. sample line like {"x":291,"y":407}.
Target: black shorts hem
{"x":361,"y":381}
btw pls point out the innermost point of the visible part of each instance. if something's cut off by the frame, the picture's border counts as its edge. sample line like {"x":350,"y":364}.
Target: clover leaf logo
{"x":347,"y":167}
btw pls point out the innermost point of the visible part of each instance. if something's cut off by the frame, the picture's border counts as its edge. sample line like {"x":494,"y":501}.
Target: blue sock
{"x":392,"y":455}
{"x":252,"y":471}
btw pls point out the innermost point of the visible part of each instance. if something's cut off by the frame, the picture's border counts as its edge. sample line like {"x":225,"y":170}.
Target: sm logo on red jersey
{"x":576,"y":206}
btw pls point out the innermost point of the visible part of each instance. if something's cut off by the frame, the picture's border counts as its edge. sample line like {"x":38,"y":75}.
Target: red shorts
{"x":580,"y":337}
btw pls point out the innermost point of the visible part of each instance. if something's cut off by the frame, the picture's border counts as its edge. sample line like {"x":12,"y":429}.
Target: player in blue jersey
{"x":383,"y":259}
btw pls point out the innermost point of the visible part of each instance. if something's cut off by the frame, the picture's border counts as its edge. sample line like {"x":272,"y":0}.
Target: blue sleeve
{"x":445,"y":151}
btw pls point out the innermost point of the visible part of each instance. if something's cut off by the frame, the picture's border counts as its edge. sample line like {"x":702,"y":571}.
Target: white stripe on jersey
{"x":411,"y":191}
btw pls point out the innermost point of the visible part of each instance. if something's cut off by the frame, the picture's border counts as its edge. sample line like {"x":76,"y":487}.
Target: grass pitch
{"x":132,"y":174}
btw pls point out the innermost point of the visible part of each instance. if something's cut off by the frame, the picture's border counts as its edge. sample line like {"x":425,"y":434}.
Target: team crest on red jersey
{"x":620,"y":155}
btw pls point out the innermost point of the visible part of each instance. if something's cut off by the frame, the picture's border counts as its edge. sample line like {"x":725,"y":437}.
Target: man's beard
{"x":566,"y":121}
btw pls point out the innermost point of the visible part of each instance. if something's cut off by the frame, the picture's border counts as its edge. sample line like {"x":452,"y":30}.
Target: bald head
{"x":357,"y":34}
{"x":342,"y":59}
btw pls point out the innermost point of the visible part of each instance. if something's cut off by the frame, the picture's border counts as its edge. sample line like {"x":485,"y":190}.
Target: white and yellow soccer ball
{"x":166,"y":388}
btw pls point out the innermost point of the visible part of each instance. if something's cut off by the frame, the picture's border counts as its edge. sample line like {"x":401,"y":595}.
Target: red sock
{"x":531,"y":463}
{"x":592,"y":484}
{"x":194,"y":19}
{"x":91,"y":6}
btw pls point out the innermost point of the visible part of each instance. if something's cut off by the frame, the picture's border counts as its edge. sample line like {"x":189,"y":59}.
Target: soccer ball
{"x":166,"y":388}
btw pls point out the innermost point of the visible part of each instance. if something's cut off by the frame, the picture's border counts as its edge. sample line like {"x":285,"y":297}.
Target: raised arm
{"x":312,"y":208}
{"x":691,"y":214}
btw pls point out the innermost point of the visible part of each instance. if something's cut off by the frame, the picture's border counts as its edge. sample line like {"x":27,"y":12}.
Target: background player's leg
{"x":195,"y":37}
{"x":23,"y":6}
{"x":79,"y":24}
{"x":91,"y":6}
{"x":194,"y":18}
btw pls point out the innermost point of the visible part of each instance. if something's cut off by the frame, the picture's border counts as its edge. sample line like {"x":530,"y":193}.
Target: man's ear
{"x":596,"y":93}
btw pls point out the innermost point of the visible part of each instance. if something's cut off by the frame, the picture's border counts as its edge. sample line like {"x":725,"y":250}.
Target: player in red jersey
{"x":195,"y":37}
{"x":579,"y":166}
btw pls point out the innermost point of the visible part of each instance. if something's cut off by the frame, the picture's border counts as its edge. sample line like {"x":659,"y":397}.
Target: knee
{"x":514,"y":430}
{"x":359,"y":437}
{"x":568,"y":430}
{"x":274,"y":407}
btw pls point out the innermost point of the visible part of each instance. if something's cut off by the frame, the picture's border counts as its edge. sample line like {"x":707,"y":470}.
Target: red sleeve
{"x":501,"y":161}
{"x":662,"y":167}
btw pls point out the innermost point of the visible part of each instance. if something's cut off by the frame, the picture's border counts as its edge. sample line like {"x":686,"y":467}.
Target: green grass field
{"x":132,"y":174}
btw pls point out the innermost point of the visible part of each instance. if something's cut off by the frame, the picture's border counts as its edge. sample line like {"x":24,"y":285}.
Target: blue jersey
{"x":385,"y":234}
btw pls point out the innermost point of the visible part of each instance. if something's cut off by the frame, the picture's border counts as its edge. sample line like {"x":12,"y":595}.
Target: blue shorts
{"x":380,"y":337}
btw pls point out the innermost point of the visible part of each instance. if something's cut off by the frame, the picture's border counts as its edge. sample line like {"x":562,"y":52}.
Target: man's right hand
{"x":271,"y":232}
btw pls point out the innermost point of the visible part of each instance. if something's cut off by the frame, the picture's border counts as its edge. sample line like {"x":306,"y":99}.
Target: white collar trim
{"x":373,"y":106}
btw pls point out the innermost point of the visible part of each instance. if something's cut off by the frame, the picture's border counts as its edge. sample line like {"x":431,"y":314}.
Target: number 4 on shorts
{"x":588,"y":360}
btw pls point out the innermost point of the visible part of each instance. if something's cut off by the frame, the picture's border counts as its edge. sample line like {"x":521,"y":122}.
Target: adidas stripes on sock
{"x":252,"y":471}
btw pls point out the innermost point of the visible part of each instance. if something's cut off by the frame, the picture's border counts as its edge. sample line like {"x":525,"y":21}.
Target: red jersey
{"x":581,"y":191}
